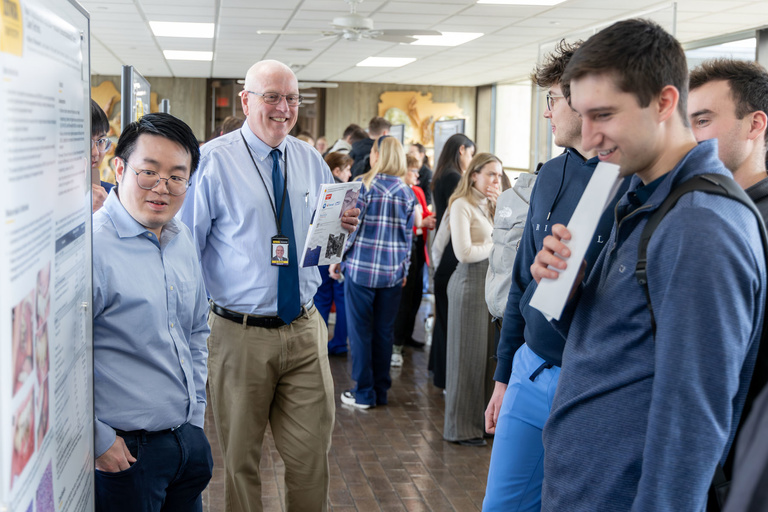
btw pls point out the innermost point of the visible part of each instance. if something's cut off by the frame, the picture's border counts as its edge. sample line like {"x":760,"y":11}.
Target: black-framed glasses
{"x":176,"y":185}
{"x":551,"y":98}
{"x":103,"y":144}
{"x":273,"y":98}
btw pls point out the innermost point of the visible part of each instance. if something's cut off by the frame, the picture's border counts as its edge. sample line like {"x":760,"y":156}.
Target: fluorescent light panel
{"x":187,"y":55}
{"x":447,"y":39}
{"x":177,"y":29}
{"x":385,"y":62}
{"x":521,"y":2}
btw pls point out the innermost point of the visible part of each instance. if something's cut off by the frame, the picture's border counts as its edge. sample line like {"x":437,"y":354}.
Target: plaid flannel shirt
{"x":378,"y":252}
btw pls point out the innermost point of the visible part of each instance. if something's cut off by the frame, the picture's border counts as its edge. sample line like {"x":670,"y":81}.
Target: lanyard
{"x":285,"y":185}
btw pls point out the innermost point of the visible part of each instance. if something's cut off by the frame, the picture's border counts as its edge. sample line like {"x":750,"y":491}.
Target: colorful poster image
{"x":23,"y":340}
{"x":23,"y":436}
{"x":41,"y":352}
{"x":44,"y":417}
{"x":43,"y":294}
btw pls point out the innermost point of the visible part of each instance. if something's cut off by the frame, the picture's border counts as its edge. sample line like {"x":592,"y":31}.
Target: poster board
{"x":134,"y":97}
{"x":46,"y":348}
{"x":443,"y":132}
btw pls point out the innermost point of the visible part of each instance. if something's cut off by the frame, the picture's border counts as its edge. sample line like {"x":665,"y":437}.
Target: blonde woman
{"x":375,"y":265}
{"x":470,"y":346}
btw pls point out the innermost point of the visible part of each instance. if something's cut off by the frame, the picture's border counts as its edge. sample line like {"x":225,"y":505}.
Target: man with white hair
{"x":257,"y":187}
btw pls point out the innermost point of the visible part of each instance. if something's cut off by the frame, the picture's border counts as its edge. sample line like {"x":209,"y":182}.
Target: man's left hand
{"x":349,"y":220}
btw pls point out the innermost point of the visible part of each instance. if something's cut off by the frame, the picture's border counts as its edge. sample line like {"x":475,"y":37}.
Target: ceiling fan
{"x":354,"y":27}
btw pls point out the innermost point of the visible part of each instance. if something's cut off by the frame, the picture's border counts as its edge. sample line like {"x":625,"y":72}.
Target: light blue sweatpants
{"x":516,"y":470}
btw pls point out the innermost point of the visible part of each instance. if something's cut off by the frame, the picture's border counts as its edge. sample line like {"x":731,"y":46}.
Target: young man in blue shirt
{"x":641,"y":417}
{"x":149,"y":329}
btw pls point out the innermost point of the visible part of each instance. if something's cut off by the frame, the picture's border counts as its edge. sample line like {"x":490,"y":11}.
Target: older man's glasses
{"x":551,"y":99}
{"x":103,"y":144}
{"x":148,"y":180}
{"x":273,"y":98}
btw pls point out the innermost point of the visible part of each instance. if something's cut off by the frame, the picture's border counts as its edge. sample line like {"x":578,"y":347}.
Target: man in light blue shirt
{"x":149,"y":329}
{"x":257,"y":187}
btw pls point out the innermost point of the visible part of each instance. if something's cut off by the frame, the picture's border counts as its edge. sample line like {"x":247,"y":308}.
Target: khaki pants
{"x":280,"y":376}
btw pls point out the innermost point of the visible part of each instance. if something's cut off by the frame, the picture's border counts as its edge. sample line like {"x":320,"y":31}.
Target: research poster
{"x":46,"y":351}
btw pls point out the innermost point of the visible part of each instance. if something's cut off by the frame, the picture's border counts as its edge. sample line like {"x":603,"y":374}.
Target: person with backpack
{"x":529,"y":351}
{"x":647,"y":405}
{"x":728,"y":101}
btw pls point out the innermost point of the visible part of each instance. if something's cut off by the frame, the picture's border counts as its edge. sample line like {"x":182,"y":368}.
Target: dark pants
{"x":371,"y":313}
{"x":171,"y":471}
{"x":412,"y":292}
{"x":437,"y":354}
{"x":331,"y":291}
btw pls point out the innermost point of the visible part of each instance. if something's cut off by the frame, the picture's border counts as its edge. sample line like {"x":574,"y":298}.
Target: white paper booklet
{"x":326,"y":238}
{"x":552,"y":294}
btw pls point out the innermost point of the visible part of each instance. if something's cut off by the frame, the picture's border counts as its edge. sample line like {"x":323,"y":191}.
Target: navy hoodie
{"x":555,"y":195}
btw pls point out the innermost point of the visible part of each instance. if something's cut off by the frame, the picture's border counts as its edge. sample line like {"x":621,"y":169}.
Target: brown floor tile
{"x":415,"y":505}
{"x":406,"y":490}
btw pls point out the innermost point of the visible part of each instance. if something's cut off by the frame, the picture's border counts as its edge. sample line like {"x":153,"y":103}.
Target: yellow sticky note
{"x":11,"y":28}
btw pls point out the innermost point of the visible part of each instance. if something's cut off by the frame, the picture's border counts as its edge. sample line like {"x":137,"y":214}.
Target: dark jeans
{"x":412,"y":292}
{"x":331,"y":291}
{"x":171,"y":471}
{"x":371,"y":314}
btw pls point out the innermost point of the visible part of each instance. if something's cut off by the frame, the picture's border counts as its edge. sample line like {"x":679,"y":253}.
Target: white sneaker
{"x":397,"y":360}
{"x":348,"y":398}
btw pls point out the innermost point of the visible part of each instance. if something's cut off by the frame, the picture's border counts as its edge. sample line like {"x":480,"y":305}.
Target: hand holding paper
{"x":552,"y":294}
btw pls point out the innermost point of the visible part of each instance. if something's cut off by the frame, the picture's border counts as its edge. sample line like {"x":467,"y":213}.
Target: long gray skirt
{"x":469,"y":368}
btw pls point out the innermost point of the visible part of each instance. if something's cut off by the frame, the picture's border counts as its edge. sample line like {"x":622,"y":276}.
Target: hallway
{"x":387,"y":458}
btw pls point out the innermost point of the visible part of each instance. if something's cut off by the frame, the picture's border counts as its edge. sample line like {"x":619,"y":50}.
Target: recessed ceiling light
{"x":187,"y":55}
{"x":447,"y":39}
{"x":521,"y":2}
{"x":176,"y":29}
{"x":385,"y":62}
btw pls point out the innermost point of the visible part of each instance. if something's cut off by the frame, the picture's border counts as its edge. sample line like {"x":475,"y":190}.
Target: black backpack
{"x":724,"y":186}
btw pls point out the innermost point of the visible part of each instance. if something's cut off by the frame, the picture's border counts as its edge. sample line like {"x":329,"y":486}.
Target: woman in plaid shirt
{"x":375,"y":265}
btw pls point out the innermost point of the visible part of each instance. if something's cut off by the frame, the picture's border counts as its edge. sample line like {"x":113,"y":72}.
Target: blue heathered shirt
{"x":640,"y":424}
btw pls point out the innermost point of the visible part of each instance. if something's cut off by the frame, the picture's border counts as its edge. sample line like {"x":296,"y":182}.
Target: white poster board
{"x":46,"y":348}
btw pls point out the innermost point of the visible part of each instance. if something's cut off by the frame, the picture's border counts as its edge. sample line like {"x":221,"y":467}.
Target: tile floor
{"x":386,"y":458}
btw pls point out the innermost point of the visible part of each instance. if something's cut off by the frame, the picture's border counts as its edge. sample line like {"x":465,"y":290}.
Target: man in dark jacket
{"x":377,"y":127}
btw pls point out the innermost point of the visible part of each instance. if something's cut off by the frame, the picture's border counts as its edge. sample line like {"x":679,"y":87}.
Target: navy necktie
{"x":288,"y":297}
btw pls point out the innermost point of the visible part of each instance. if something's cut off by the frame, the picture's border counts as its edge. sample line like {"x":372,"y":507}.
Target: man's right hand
{"x":494,"y":407}
{"x":117,"y":458}
{"x":554,"y":253}
{"x":333,"y":271}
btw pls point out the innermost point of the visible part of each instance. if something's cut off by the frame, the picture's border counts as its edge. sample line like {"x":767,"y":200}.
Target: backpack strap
{"x":717,"y":184}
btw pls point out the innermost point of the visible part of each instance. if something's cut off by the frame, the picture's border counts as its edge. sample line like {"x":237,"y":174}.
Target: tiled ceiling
{"x":507,"y":52}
